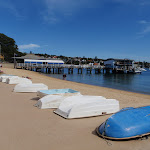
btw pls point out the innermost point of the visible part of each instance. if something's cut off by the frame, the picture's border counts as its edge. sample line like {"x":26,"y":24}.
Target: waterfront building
{"x":31,"y":59}
{"x":119,"y":65}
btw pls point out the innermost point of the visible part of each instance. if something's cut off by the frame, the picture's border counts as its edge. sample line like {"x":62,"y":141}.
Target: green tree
{"x":9,"y":47}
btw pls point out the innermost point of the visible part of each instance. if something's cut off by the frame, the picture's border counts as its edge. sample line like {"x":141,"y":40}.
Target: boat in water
{"x":128,"y":123}
{"x":68,"y":92}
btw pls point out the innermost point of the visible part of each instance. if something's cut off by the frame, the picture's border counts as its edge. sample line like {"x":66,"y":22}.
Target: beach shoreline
{"x":27,"y":127}
{"x":98,"y":85}
{"x":11,"y":66}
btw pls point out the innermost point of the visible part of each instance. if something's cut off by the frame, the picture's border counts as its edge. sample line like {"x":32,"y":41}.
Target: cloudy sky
{"x":102,"y":28}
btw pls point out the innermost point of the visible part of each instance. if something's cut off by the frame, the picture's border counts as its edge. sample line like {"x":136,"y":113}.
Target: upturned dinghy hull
{"x":68,"y":92}
{"x":53,"y":100}
{"x":86,"y":106}
{"x":18,"y":80}
{"x":4,"y":77}
{"x":128,"y":123}
{"x":28,"y":88}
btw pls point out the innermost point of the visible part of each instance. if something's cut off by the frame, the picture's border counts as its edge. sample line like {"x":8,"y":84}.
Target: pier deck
{"x":59,"y":68}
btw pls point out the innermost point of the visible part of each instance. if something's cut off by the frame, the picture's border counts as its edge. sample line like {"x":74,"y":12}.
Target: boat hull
{"x":86,"y":106}
{"x":68,"y":92}
{"x":128,"y":123}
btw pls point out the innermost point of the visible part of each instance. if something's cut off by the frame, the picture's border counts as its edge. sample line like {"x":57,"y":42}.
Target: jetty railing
{"x":23,"y":65}
{"x":59,"y":68}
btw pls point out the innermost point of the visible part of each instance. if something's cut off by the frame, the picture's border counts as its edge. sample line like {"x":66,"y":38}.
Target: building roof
{"x":35,"y":57}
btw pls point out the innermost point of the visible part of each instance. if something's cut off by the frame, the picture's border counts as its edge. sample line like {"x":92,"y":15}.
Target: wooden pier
{"x":59,"y":68}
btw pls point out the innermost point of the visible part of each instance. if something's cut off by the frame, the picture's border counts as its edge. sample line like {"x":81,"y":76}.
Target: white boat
{"x":17,"y":80}
{"x":53,"y":101}
{"x":68,"y":92}
{"x":137,"y":71}
{"x":50,"y":101}
{"x":141,"y":69}
{"x":4,"y":77}
{"x":30,"y":87}
{"x":86,"y":106}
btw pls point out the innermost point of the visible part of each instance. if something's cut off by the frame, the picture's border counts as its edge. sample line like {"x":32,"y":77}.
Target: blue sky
{"x":102,"y":28}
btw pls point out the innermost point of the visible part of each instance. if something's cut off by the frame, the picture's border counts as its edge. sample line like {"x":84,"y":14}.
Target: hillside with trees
{"x":9,"y":47}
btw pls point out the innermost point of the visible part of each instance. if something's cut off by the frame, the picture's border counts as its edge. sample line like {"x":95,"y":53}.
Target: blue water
{"x":139,"y":83}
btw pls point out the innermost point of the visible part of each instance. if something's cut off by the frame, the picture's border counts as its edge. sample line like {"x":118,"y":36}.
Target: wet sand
{"x":24,"y":126}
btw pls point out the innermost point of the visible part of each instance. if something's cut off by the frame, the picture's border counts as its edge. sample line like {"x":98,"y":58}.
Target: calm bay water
{"x":139,"y":83}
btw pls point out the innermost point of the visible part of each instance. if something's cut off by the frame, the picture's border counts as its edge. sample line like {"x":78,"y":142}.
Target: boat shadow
{"x":35,"y":98}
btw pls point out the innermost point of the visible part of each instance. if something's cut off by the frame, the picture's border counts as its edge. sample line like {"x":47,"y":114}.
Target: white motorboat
{"x":141,"y":69}
{"x":34,"y":87}
{"x":86,"y":106}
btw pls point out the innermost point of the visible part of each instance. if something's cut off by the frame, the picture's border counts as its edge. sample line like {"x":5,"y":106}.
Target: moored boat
{"x":128,"y":123}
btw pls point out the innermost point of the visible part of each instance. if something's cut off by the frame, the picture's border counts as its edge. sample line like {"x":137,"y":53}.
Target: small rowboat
{"x":86,"y":106}
{"x":128,"y":123}
{"x":17,"y":80}
{"x":27,"y":88}
{"x":43,"y":93}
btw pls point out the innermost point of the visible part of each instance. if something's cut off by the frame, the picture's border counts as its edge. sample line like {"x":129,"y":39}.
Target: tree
{"x":9,"y":47}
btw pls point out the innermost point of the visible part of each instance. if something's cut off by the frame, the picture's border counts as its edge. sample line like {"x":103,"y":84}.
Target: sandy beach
{"x":24,"y":126}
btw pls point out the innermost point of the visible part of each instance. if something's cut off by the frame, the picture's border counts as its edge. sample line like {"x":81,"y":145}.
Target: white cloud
{"x":10,"y":7}
{"x":145,"y":2}
{"x":143,"y":22}
{"x":58,"y":9}
{"x":145,"y":28}
{"x":29,"y":46}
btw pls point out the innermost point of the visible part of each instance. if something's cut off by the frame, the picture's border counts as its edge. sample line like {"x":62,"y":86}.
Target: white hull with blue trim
{"x":70,"y":92}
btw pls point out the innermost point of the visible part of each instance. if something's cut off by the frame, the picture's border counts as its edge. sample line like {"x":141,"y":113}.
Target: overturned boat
{"x":86,"y":106}
{"x":30,"y":87}
{"x":70,"y":92}
{"x":5,"y":76}
{"x":128,"y":123}
{"x":17,"y":80}
{"x":54,"y":97}
{"x":50,"y":101}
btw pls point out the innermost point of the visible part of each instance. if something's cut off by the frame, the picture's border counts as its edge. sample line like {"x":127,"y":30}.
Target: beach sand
{"x":25,"y":127}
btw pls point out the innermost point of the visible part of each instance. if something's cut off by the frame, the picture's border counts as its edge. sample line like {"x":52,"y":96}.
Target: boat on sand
{"x":34,"y":87}
{"x":128,"y":123}
{"x":5,"y":76}
{"x":68,"y":92}
{"x":50,"y":101}
{"x":17,"y":80}
{"x":86,"y":106}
